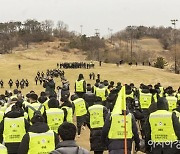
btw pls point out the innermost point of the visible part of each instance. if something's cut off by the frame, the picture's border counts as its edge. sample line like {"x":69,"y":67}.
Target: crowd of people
{"x":45,"y":123}
{"x":75,"y":65}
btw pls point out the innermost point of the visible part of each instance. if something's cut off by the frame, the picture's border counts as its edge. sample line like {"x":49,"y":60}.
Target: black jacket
{"x":12,"y":147}
{"x":116,"y":144}
{"x":38,"y":127}
{"x":50,"y":87}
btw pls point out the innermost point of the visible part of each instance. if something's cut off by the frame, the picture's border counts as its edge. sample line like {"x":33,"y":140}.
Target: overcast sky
{"x":93,"y":14}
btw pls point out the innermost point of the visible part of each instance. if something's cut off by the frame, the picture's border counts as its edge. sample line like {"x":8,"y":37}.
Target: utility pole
{"x":81,"y":28}
{"x":131,"y":39}
{"x":174,"y":38}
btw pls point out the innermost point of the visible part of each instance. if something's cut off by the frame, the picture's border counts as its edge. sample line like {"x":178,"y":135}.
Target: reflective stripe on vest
{"x":80,"y":107}
{"x":35,"y":106}
{"x":162,"y":127}
{"x":117,"y":127}
{"x":41,"y":143}
{"x":26,"y":115}
{"x":145,"y":100}
{"x":69,"y":117}
{"x":3,"y":149}
{"x":14,"y":129}
{"x":172,"y":102}
{"x":101,"y":92}
{"x":1,"y":115}
{"x":79,"y":86}
{"x":55,"y":118}
{"x":96,"y":116}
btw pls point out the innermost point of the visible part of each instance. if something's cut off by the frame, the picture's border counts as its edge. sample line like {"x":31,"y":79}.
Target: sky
{"x":93,"y":14}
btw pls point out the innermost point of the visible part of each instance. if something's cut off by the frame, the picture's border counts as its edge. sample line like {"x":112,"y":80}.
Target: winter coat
{"x":69,"y":147}
{"x":50,"y":87}
{"x":89,"y":97}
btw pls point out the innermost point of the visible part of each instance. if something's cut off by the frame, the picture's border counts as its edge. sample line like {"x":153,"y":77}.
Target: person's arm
{"x":1,"y":130}
{"x":56,"y":139}
{"x":135,"y":132}
{"x":27,"y":125}
{"x":176,"y":125}
{"x":65,"y":114}
{"x":24,"y":145}
{"x":105,"y":129}
{"x":84,"y":86}
{"x":147,"y":131}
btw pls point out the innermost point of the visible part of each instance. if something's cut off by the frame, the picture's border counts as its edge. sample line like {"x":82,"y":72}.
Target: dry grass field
{"x":38,"y":59}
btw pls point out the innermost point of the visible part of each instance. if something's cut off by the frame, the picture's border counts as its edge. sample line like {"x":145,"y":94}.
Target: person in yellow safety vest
{"x":113,"y":133}
{"x":34,"y":106}
{"x":3,"y":149}
{"x":101,"y":91}
{"x":171,"y":98}
{"x":39,"y":138}
{"x":129,"y":92}
{"x":177,"y":110}
{"x":68,"y":145}
{"x":96,"y":117}
{"x":162,"y":130}
{"x":80,"y":86}
{"x":89,"y":96}
{"x":43,"y":99}
{"x":145,"y":101}
{"x":15,"y":93}
{"x":12,"y":129}
{"x":80,"y":107}
{"x":67,"y":106}
{"x":54,"y":116}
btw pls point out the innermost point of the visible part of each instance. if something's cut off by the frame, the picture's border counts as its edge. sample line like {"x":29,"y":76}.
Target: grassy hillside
{"x":38,"y":59}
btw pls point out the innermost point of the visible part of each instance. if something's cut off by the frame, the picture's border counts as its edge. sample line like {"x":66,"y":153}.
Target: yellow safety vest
{"x":161,"y":91}
{"x":13,"y":96}
{"x":95,"y":89}
{"x":117,"y":127}
{"x":79,"y":86}
{"x":96,"y":116}
{"x":26,"y":115}
{"x":3,"y":149}
{"x":178,"y":96}
{"x":80,"y":107}
{"x":46,"y":104}
{"x":55,"y":118}
{"x":162,"y":127}
{"x":145,"y":100}
{"x":3,"y":108}
{"x":155,"y":97}
{"x":101,"y":92}
{"x":35,"y":106}
{"x":41,"y":143}
{"x":1,"y":115}
{"x":69,"y":117}
{"x":14,"y":129}
{"x":172,"y":102}
{"x":130,"y":95}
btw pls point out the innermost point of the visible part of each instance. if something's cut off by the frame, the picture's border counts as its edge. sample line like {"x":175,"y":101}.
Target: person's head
{"x":81,"y":76}
{"x":67,"y":131}
{"x":162,"y":103}
{"x":43,"y":94}
{"x":106,"y":83}
{"x":88,"y":87}
{"x":15,"y":91}
{"x":53,"y":103}
{"x":33,"y":97}
{"x":74,"y":97}
{"x":112,"y":83}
